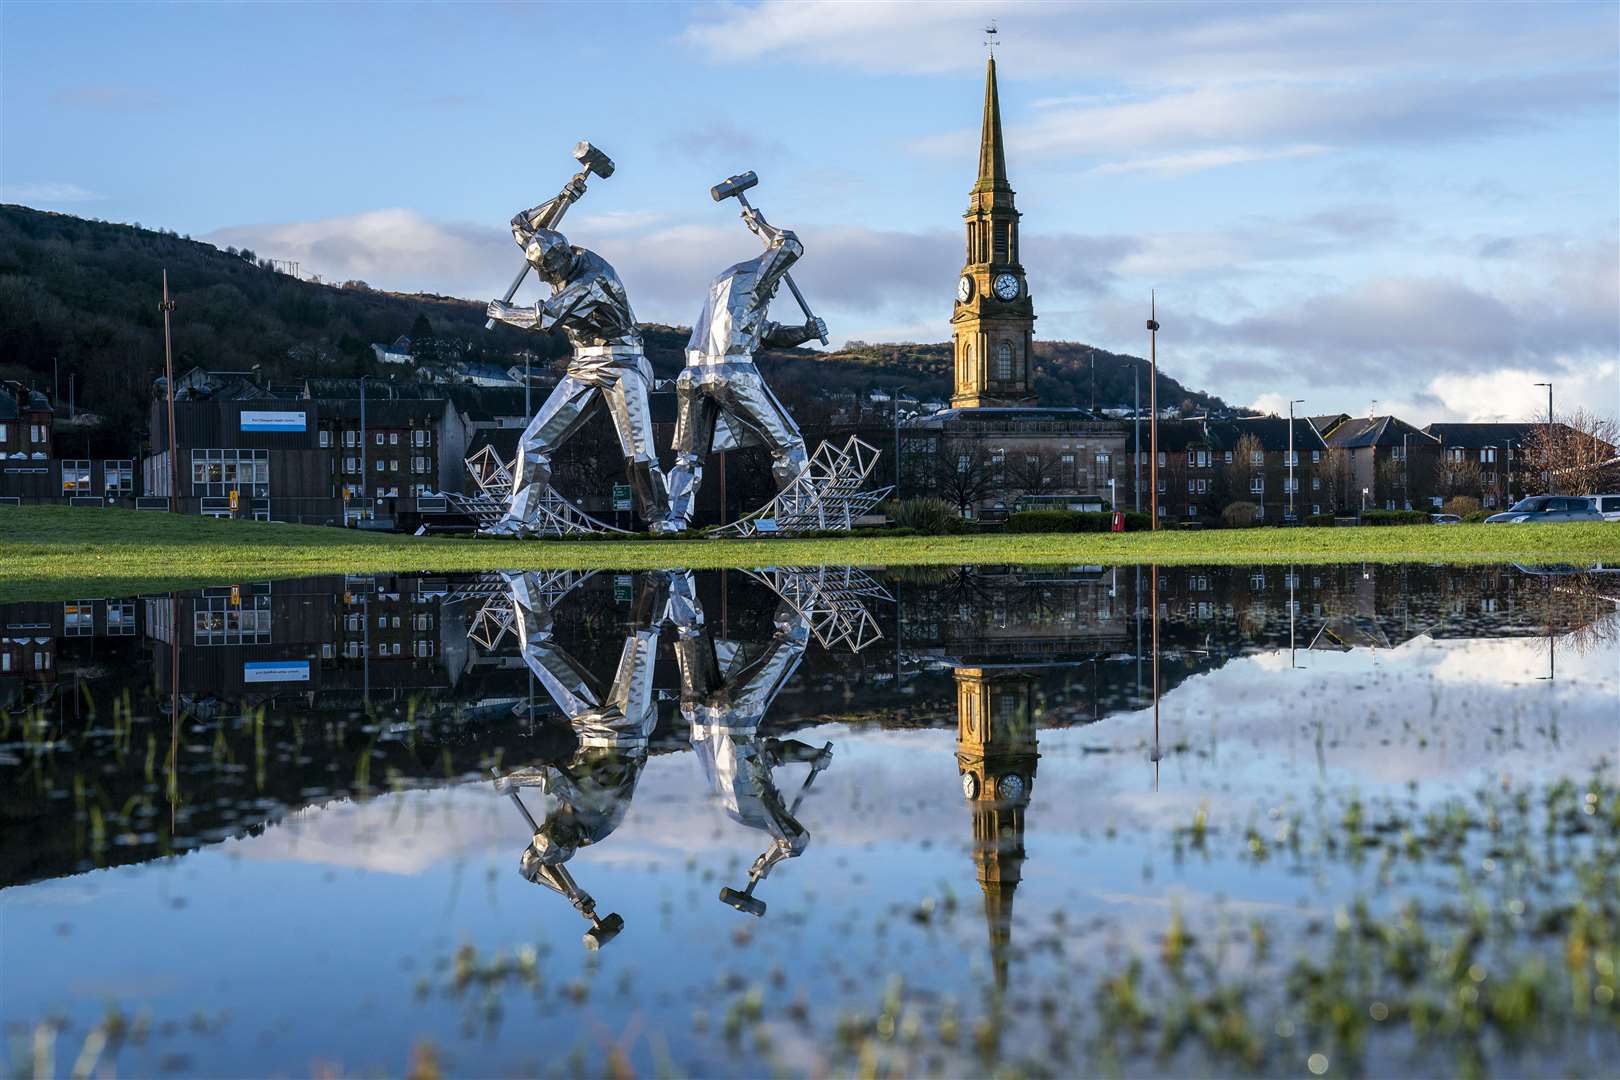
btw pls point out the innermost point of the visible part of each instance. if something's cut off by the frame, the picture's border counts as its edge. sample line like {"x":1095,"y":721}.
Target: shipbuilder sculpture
{"x":720,"y":379}
{"x":608,"y":368}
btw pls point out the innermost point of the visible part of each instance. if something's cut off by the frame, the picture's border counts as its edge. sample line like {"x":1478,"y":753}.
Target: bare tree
{"x":963,"y":473}
{"x":1456,"y":477}
{"x":1035,"y":472}
{"x":1575,"y":452}
{"x":1242,"y":468}
{"x":1336,"y":478}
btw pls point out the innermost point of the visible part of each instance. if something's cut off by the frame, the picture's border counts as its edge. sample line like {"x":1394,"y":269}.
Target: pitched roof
{"x":1325,"y":424}
{"x":1363,"y":431}
{"x":1476,"y":436}
{"x":1272,"y":432}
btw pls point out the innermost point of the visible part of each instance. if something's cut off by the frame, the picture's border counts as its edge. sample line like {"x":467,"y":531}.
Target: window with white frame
{"x":393,"y":465}
{"x":218,"y":621}
{"x":5,"y":432}
{"x":38,"y":433}
{"x":1487,"y":456}
{"x":351,"y":464}
{"x":1290,"y":484}
{"x":1316,"y":483}
{"x":381,"y":438}
{"x":118,"y":476}
{"x":1291,"y":457}
{"x":1228,"y":457}
{"x":1398,"y":453}
{"x":393,"y":438}
{"x":419,"y":437}
{"x":76,"y":478}
{"x":1257,"y":458}
{"x":121,"y":618}
{"x":78,"y":618}
{"x":326,"y":438}
{"x":1316,"y":508}
{"x":1316,"y":456}
{"x":382,"y":466}
{"x":1257,"y":485}
{"x":219,"y":472}
{"x":421,"y":463}
{"x":351,"y":438}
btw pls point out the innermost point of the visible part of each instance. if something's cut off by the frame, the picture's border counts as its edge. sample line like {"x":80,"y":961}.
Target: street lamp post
{"x":897,"y":441}
{"x":168,"y":384}
{"x":1548,"y":452}
{"x":1153,"y":409}
{"x":363,"y":477}
{"x":1291,"y":484}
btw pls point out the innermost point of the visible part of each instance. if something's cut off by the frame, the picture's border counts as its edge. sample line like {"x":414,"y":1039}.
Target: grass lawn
{"x":53,"y":552}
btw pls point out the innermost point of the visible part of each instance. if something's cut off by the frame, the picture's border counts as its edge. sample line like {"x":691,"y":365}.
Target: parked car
{"x":1445,"y":519}
{"x":1546,"y":509}
{"x":1607,"y":505}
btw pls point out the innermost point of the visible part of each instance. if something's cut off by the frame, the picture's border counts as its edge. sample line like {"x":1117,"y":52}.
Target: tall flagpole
{"x":1153,"y":409}
{"x":168,"y":382}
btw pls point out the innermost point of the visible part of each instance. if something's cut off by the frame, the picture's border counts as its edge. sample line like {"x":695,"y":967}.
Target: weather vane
{"x":990,"y":41}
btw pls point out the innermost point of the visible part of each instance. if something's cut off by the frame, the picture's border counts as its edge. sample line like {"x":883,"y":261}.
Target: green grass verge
{"x":53,"y":552}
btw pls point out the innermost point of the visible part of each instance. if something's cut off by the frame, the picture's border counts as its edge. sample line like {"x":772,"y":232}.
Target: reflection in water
{"x":644,"y":716}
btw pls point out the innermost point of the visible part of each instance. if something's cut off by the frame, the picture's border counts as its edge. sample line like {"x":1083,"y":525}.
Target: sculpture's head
{"x":548,"y":252}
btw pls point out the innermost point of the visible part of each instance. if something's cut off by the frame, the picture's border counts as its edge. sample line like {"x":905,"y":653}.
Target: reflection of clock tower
{"x":994,"y":321}
{"x":995,"y":753}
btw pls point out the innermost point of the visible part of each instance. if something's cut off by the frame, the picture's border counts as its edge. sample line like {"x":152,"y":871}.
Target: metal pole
{"x":528,"y":410}
{"x":1291,"y":461}
{"x":168,"y":379}
{"x":1406,"y":473}
{"x":1153,"y":423}
{"x":1548,"y":453}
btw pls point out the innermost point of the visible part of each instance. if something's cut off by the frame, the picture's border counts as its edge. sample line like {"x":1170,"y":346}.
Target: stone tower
{"x":995,"y":754}
{"x":993,"y":323}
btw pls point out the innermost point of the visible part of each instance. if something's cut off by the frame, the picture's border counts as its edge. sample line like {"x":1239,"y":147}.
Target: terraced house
{"x":1206,"y":465}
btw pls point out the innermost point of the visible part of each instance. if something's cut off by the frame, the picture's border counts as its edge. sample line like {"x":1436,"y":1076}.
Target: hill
{"x":79,"y":302}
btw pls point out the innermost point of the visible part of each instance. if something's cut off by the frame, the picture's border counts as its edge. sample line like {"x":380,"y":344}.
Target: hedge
{"x":1394,"y":517}
{"x":1061,"y":521}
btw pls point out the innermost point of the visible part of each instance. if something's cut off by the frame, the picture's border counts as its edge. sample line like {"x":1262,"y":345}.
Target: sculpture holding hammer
{"x":608,"y":368}
{"x":720,"y":378}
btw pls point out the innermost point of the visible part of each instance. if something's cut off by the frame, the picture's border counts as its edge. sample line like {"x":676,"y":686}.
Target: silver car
{"x":1546,"y":509}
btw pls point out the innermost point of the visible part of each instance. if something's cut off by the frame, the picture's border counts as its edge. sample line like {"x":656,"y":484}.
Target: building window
{"x":1291,"y":457}
{"x":1257,"y":485}
{"x":37,"y":433}
{"x":350,"y":465}
{"x":382,"y":466}
{"x":76,"y":478}
{"x":219,"y":472}
{"x":5,"y":433}
{"x":121,"y":619}
{"x":79,"y":618}
{"x":118,"y":477}
{"x":380,"y":438}
{"x":326,"y":438}
{"x":1004,"y":361}
{"x":1487,"y":456}
{"x":217,"y":621}
{"x":1398,"y":453}
{"x":349,"y":438}
{"x":393,"y":438}
{"x":1316,"y":508}
{"x":1290,"y":484}
{"x":1228,"y":457}
{"x":1316,"y":456}
{"x":1316,"y":483}
{"x":1161,"y":459}
{"x":1257,"y":458}
{"x":419,"y":437}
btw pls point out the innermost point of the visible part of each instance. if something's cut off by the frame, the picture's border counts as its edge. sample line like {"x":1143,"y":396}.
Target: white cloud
{"x":48,"y":192}
{"x":1199,"y":160}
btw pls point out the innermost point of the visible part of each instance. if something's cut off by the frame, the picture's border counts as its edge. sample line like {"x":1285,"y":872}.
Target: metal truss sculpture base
{"x":553,"y":514}
{"x":826,"y":495}
{"x":832,"y":600}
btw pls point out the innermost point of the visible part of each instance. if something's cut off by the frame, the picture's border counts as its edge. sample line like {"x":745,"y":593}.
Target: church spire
{"x":992,"y":158}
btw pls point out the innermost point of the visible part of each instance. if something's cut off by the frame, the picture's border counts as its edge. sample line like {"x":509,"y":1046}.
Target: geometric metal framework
{"x":554,"y":515}
{"x":832,"y":600}
{"x":499,"y":613}
{"x":826,"y":495}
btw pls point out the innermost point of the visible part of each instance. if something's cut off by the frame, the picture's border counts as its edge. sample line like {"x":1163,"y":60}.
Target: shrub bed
{"x":1061,"y":521}
{"x":1394,"y":517}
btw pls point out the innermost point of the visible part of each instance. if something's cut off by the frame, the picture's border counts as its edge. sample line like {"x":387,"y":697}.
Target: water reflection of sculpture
{"x":613,"y":724}
{"x":724,"y":698}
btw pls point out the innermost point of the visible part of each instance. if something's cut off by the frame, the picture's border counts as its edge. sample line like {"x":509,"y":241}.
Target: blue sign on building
{"x":263,"y":420}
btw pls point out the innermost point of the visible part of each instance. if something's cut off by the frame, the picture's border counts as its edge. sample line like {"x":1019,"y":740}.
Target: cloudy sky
{"x":1414,"y":203}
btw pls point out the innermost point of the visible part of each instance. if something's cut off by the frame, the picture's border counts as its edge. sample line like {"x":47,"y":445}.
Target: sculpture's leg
{"x":695,"y":418}
{"x":564,"y":412}
{"x":755,"y":409}
{"x":627,"y":404}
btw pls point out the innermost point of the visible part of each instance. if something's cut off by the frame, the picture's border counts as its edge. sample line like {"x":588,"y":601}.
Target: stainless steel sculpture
{"x":720,"y":379}
{"x":724,"y":697}
{"x":592,"y":789}
{"x":608,"y":369}
{"x":827,"y":494}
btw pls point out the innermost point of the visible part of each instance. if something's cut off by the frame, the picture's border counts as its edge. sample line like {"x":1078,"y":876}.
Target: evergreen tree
{"x":424,"y":349}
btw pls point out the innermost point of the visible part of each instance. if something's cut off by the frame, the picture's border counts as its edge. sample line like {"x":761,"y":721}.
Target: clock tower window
{"x":1004,"y":362}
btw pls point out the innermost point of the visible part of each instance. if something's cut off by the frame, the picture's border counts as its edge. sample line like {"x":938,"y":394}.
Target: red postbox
{"x":1119,"y":522}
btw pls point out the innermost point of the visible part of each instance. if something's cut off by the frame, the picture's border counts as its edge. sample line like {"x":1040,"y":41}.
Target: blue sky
{"x":1418,"y":203}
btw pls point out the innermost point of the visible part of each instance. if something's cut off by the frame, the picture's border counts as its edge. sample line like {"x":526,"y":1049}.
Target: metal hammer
{"x":594,"y":161}
{"x":733,"y":187}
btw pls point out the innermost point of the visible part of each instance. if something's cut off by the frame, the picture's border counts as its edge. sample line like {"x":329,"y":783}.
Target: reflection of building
{"x":995,"y":753}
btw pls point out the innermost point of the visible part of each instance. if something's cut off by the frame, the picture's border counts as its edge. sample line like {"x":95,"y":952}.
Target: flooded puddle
{"x":1023,"y":821}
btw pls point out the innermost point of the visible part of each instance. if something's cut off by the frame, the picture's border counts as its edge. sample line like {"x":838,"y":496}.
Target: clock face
{"x":1006,"y":287}
{"x":970,"y":785}
{"x":964,"y":289}
{"x":1010,"y":788}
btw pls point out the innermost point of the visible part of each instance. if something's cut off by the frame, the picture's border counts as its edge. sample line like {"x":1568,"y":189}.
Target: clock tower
{"x":993,"y":322}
